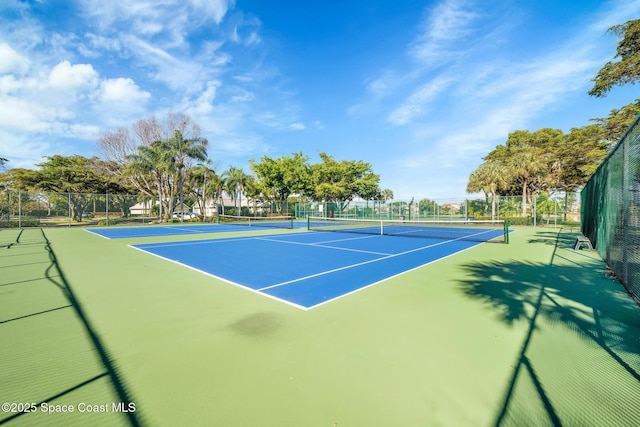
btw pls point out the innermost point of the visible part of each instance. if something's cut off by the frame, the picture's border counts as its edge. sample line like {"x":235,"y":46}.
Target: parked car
{"x":185,"y":215}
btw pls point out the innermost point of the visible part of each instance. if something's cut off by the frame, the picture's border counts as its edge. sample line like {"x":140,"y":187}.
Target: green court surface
{"x":531,"y":333}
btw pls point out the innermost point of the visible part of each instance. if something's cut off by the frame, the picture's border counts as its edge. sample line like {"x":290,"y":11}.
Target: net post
{"x":506,"y":231}
{"x":308,"y":223}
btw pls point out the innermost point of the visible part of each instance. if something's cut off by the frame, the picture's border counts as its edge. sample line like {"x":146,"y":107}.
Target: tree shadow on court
{"x":569,"y":305}
{"x":552,"y":237}
{"x":54,"y":275}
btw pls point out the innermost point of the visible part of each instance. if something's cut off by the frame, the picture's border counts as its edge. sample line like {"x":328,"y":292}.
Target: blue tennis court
{"x":310,"y":268}
{"x":174,"y":230}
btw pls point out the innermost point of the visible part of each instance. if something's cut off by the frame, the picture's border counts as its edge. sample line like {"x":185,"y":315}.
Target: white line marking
{"x":391,"y":277}
{"x":183,"y":228}
{"x":194,"y":242}
{"x":97,"y":234}
{"x":354,"y":265}
{"x":317,"y":245}
{"x":223,"y":279}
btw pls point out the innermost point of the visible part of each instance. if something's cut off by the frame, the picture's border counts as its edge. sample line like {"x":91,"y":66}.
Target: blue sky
{"x":422,"y":90}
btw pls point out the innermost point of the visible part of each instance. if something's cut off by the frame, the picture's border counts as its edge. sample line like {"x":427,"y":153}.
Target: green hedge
{"x":16,"y":224}
{"x":527,"y":220}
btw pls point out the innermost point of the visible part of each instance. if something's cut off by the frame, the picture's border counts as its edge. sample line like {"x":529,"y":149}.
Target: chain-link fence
{"x":611,"y":209}
{"x":23,"y":209}
{"x":28,"y":209}
{"x":41,"y":209}
{"x":543,"y":209}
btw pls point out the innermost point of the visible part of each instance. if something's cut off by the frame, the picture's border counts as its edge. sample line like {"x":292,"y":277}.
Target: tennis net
{"x":474,"y":231}
{"x":257,"y":221}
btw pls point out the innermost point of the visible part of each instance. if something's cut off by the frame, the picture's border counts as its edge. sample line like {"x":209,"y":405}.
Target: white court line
{"x":354,"y":265}
{"x":319,"y":245}
{"x":204,"y":242}
{"x":223,"y":279}
{"x":435,"y":237}
{"x":193,"y":242}
{"x":183,"y":228}
{"x":390,"y":277}
{"x":97,"y":234}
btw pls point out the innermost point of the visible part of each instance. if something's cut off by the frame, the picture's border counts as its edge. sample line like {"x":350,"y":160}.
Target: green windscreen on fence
{"x":610,"y":214}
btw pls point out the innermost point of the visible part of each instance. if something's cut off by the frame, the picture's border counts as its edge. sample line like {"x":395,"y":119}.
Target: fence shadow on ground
{"x":579,"y":363}
{"x":37,"y":303}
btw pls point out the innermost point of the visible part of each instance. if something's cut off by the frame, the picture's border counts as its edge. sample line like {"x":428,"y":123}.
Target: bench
{"x":583,"y":241}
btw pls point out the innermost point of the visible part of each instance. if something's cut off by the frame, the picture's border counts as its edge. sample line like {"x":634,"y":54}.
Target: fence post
{"x":107,"y":205}
{"x":625,"y":209}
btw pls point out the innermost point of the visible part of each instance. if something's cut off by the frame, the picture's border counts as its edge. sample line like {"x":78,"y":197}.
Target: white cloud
{"x":97,"y":45}
{"x":203,"y":104}
{"x":297,"y":126}
{"x":122,"y":90}
{"x":448,"y":23}
{"x":65,"y":76}
{"x":23,"y":151}
{"x":383,"y":85}
{"x":12,"y":61}
{"x":150,"y":17}
{"x":186,"y":75}
{"x":26,"y":115}
{"x":416,"y":104}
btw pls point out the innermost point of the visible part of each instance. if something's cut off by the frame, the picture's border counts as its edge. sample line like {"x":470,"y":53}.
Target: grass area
{"x":530,"y":333}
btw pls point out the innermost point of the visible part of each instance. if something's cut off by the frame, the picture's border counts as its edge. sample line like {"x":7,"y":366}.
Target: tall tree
{"x":153,"y":166}
{"x":119,"y":146}
{"x":282,"y":177}
{"x":627,"y":69}
{"x":618,"y":121}
{"x":384,"y":195}
{"x":490,"y":178}
{"x":234,"y":181}
{"x":74,"y":175}
{"x":342,"y":181}
{"x":184,"y":151}
{"x":526,"y":158}
{"x":578,"y":156}
{"x":203,"y":183}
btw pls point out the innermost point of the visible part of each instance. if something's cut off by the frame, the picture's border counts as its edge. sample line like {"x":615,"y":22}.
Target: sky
{"x":421,"y":90}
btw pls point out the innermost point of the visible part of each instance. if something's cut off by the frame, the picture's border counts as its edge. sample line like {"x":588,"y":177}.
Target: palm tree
{"x":489,"y":178}
{"x":525,"y":165}
{"x":154,"y":165}
{"x":205,"y":184}
{"x":183,"y":151}
{"x":234,"y":179}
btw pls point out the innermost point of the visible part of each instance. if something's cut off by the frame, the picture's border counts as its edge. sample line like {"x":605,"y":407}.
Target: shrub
{"x":23,"y":223}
